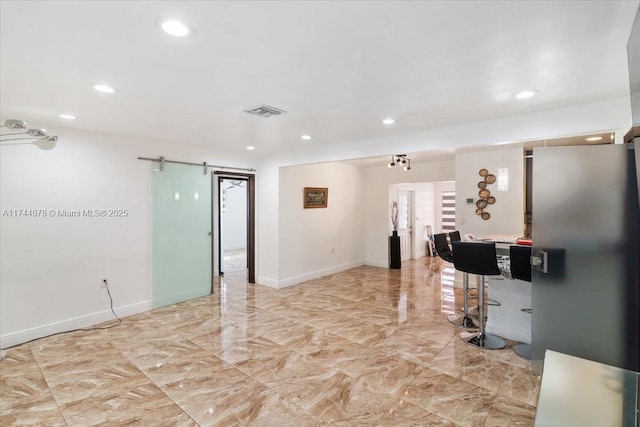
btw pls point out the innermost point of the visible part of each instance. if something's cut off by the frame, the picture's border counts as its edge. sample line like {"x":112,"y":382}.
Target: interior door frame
{"x":410,"y":218}
{"x":251,"y":220}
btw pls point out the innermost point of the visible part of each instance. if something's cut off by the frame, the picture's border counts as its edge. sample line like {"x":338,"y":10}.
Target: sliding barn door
{"x":181,"y":234}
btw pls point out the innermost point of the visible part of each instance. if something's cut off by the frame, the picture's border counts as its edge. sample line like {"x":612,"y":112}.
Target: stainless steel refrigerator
{"x":586,"y":270}
{"x":585,"y":297}
{"x":586,"y":236}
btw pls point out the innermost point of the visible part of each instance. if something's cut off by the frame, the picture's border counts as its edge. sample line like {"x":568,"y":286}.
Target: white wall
{"x":52,"y":267}
{"x":376,"y":218}
{"x":507,"y":214}
{"x":319,"y":241}
{"x":234,"y":223}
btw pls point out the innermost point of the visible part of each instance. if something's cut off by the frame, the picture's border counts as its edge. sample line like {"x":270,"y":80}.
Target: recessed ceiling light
{"x":251,"y":148}
{"x":388,"y":121}
{"x":176,"y":28}
{"x":67,"y":116}
{"x":525,"y":94}
{"x":306,"y":137}
{"x":594,"y":138}
{"x":104,"y":88}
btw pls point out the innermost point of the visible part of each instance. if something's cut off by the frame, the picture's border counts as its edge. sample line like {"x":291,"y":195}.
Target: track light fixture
{"x":38,"y":137}
{"x":14,"y":124}
{"x":400,"y":159}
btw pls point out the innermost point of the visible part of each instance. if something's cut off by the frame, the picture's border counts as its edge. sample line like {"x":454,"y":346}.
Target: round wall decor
{"x":485,"y":197}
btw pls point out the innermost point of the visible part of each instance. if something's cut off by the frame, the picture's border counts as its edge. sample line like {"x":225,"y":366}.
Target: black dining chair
{"x":478,"y":258}
{"x":520,"y":261}
{"x":454,"y":236}
{"x":442,"y":247}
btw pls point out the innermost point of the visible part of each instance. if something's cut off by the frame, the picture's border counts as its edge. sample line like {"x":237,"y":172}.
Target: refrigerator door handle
{"x":540,"y":261}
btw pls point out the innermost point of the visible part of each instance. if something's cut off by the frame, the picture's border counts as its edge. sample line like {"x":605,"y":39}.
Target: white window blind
{"x":448,"y":218}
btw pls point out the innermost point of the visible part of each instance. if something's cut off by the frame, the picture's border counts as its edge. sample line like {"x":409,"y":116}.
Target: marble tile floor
{"x":364,"y":347}
{"x":235,"y":260}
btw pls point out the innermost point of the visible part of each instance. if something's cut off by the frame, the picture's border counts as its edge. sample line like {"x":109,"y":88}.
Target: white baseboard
{"x":318,"y":273}
{"x":265,"y":281}
{"x":419,"y":254}
{"x":16,"y":338}
{"x":376,"y":263}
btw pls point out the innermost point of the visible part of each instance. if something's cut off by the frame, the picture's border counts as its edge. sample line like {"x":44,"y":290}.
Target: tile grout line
{"x":49,"y":389}
{"x":152,"y":381}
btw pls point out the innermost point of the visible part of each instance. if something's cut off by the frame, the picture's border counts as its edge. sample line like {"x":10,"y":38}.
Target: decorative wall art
{"x":315,"y":197}
{"x":486,"y":198}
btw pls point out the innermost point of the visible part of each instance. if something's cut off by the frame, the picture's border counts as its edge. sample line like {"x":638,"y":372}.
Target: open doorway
{"x":406,"y":224}
{"x":236,"y":225}
{"x":422,"y":206}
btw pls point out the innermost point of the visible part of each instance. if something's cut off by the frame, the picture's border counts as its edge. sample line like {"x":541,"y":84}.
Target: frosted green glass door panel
{"x":181,"y":226}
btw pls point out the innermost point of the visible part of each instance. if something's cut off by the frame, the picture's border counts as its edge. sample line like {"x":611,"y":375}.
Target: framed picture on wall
{"x":315,"y":197}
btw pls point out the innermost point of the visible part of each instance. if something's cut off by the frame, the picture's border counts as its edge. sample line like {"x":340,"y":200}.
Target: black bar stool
{"x":444,"y":252}
{"x":478,"y":258}
{"x":454,"y":236}
{"x":520,"y":260}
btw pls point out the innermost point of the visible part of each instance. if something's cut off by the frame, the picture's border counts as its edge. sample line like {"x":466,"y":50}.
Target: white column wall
{"x":267,"y":224}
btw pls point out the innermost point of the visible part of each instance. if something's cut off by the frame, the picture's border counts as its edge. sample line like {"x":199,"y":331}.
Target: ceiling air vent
{"x":265,"y":111}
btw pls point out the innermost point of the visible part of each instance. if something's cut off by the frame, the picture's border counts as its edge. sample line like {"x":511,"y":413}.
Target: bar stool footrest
{"x":485,"y":341}
{"x":523,"y":350}
{"x":462,"y":321}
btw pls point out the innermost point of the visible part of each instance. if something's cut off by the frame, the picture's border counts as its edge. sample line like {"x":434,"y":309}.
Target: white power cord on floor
{"x":3,"y":352}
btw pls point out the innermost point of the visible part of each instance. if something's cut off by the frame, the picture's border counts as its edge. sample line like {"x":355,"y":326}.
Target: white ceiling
{"x":337,"y":68}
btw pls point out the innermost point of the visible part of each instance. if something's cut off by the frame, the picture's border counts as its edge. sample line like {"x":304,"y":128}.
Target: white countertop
{"x":579,"y":392}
